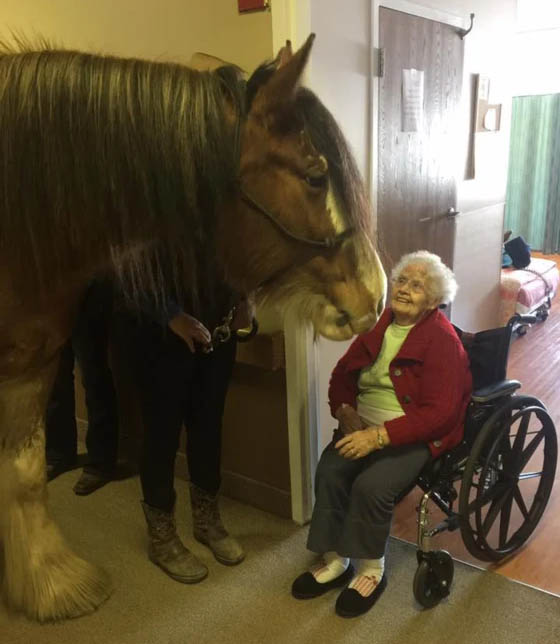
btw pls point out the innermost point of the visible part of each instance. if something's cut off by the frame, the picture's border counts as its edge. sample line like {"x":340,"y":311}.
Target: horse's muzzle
{"x":363,"y":324}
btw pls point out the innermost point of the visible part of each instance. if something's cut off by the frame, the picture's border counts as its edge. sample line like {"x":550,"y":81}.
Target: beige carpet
{"x":251,"y":603}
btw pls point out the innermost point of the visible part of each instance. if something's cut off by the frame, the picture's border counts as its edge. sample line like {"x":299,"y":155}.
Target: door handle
{"x":451,"y":212}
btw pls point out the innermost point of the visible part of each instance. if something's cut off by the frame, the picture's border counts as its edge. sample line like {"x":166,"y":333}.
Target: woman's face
{"x":410,"y":299}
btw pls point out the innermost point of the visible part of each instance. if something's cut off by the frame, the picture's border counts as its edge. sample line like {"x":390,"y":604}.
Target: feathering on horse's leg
{"x":42,"y":577}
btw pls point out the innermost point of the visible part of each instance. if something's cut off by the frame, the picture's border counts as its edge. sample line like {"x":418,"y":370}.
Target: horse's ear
{"x":284,"y":55}
{"x":279,"y":92}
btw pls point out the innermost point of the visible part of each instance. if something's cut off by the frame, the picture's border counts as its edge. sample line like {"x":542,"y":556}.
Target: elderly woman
{"x":400,"y":394}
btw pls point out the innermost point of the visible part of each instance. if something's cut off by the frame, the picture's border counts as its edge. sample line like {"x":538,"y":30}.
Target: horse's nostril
{"x":343,"y":319}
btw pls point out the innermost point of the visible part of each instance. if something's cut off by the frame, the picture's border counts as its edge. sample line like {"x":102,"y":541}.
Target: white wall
{"x":537,"y":48}
{"x":165,"y":29}
{"x":536,"y":56}
{"x":340,"y":67}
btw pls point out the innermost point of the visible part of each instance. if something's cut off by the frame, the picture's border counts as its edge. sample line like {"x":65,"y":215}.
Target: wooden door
{"x":417,"y":193}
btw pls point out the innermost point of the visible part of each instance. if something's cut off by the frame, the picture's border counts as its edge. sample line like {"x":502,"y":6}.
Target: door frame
{"x":291,"y":19}
{"x":414,"y":9}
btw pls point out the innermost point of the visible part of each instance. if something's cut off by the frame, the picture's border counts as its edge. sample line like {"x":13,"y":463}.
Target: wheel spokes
{"x":505,"y":516}
{"x":493,"y":512}
{"x":529,"y":451}
{"x":513,"y":457}
{"x":519,"y":440}
{"x":529,"y":475}
{"x":520,"y":502}
{"x":486,"y":497}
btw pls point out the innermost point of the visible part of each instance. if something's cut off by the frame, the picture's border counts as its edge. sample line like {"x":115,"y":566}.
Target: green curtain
{"x":533,"y":191}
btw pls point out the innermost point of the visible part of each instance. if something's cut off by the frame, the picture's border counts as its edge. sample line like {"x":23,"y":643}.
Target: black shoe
{"x":57,"y":466}
{"x":91,"y":480}
{"x":351,"y":604}
{"x":307,"y":587}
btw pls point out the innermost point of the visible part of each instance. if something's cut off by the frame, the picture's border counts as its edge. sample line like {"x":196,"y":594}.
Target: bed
{"x":529,"y":290}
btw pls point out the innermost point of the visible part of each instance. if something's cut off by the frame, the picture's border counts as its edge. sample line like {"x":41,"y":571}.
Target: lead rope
{"x":221,"y":333}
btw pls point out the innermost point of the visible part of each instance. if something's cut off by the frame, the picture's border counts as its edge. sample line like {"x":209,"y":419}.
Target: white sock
{"x":331,"y":567}
{"x":369,"y":573}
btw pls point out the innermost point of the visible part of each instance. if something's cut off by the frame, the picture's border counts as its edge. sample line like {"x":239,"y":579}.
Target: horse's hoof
{"x":61,"y":590}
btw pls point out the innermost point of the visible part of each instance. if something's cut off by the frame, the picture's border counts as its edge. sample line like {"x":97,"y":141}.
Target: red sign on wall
{"x":252,"y":5}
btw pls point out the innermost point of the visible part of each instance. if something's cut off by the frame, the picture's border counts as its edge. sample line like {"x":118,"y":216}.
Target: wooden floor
{"x":535,"y":361}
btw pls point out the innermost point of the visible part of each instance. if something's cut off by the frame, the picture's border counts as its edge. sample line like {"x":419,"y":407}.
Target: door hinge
{"x":379,"y":61}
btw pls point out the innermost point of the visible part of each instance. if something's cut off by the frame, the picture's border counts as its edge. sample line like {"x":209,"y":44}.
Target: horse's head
{"x":294,"y":239}
{"x":341,"y":293}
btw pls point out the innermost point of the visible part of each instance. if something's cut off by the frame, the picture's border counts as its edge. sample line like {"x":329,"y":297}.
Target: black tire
{"x":518,"y":436}
{"x":433,"y":578}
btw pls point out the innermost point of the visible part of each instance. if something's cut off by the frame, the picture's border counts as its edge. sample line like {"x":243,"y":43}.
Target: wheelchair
{"x":505,"y":464}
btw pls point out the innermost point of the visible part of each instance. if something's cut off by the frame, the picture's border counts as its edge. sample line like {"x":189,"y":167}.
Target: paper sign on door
{"x":412,"y":99}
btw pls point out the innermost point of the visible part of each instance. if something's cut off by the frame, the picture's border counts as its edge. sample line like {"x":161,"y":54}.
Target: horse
{"x":130,"y":165}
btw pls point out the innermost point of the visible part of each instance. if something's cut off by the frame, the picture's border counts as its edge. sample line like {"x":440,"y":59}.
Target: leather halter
{"x":329,"y":243}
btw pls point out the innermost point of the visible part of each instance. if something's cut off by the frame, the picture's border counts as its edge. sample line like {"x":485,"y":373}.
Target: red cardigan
{"x":430,"y":374}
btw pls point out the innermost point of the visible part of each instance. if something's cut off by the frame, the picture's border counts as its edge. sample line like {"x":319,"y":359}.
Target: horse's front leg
{"x":42,"y":576}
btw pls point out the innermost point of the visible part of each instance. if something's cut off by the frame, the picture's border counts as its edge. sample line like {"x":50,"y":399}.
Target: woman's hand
{"x":361,"y":443}
{"x":190,"y":330}
{"x":348,"y":418}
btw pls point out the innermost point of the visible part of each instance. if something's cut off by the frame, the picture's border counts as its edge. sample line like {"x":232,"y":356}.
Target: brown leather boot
{"x":209,"y":530}
{"x":167,"y":551}
{"x":91,"y":480}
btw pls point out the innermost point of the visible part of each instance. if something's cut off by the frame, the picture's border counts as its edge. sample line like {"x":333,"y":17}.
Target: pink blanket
{"x":521,"y":291}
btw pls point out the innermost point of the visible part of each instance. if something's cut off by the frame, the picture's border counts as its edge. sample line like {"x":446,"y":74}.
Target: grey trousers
{"x":355,"y":499}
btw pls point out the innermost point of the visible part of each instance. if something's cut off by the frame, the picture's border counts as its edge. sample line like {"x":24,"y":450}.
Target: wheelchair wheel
{"x":508,"y":479}
{"x":433,"y":577}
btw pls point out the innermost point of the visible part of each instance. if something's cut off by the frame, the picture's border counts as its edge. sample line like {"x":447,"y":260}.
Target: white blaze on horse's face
{"x":338,"y":220}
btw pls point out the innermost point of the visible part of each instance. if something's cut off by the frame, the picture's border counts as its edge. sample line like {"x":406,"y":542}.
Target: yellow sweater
{"x":374,"y":384}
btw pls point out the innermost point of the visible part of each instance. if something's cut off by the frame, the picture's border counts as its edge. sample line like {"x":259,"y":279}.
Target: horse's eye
{"x":319,"y":181}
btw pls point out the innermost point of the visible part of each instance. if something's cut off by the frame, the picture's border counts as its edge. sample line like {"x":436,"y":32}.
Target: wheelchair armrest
{"x":495,"y":390}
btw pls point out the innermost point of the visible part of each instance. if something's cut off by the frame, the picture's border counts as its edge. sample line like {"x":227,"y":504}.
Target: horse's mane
{"x":344,"y":177}
{"x":99,"y":151}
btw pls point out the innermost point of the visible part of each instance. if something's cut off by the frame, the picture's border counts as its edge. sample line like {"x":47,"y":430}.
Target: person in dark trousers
{"x":89,"y":348}
{"x":183,"y":379}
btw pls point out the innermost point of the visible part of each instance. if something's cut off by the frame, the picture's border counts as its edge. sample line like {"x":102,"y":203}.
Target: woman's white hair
{"x":440,"y":282}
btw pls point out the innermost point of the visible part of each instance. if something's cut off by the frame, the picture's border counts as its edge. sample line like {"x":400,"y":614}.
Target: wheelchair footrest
{"x":450,"y":524}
